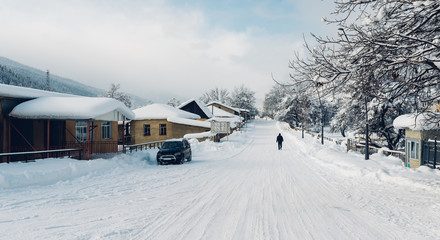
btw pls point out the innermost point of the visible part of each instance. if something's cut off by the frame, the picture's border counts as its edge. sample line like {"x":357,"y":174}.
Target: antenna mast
{"x":47,"y":81}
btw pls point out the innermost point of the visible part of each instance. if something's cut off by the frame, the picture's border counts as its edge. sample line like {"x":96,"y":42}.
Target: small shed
{"x":421,"y":130}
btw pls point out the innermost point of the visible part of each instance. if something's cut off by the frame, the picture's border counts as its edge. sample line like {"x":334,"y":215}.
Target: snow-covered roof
{"x":162,"y":111}
{"x":422,"y":121}
{"x":201,"y":105}
{"x":189,"y":122}
{"x":27,"y":93}
{"x":224,"y":105}
{"x":221,"y":113}
{"x":73,"y":108}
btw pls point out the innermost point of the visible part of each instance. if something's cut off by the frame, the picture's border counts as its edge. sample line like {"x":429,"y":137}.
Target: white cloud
{"x":148,"y":48}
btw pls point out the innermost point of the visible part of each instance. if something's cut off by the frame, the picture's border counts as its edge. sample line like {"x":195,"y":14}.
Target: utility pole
{"x":47,"y":81}
{"x":367,"y":147}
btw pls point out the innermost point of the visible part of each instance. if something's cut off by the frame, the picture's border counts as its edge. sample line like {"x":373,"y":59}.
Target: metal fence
{"x":357,"y":146}
{"x":31,"y":155}
{"x":142,"y":146}
{"x":431,"y":153}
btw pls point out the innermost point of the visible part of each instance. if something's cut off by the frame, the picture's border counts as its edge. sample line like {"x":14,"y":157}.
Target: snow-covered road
{"x":242,"y":189}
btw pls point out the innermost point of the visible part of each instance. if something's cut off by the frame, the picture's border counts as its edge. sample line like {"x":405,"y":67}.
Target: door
{"x":412,"y":150}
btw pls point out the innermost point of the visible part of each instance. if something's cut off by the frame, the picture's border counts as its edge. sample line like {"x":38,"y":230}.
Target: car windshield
{"x":169,"y":145}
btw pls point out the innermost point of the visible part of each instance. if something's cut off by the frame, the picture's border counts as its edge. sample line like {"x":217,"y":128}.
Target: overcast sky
{"x":178,"y":48}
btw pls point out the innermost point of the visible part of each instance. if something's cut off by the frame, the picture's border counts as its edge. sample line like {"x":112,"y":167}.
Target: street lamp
{"x":367,"y":154}
{"x":343,"y":31}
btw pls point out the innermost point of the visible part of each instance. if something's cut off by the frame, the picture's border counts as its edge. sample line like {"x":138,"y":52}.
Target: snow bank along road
{"x":242,"y":189}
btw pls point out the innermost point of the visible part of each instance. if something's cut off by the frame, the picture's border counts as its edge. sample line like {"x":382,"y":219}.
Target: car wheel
{"x":159,"y":163}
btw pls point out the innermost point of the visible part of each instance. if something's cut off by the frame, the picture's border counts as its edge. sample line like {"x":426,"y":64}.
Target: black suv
{"x":174,"y":151}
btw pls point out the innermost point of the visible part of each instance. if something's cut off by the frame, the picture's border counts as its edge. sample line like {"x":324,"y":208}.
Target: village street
{"x":241,"y":189}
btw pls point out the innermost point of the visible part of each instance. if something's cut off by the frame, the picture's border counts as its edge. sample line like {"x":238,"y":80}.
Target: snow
{"x":198,"y":135}
{"x":27,"y":93}
{"x":74,"y":108}
{"x":202,"y":106}
{"x":162,"y":111}
{"x":189,"y":122}
{"x":417,"y":121}
{"x":221,"y":113}
{"x":238,"y":189}
{"x":233,"y":121}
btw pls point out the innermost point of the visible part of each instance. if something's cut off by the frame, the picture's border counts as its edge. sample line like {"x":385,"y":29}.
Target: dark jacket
{"x":280,"y":139}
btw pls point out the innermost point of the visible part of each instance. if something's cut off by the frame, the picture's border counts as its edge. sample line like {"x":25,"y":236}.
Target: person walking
{"x":280,"y":141}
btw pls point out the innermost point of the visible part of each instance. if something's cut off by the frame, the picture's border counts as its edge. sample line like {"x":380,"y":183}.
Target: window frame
{"x":81,"y":131}
{"x":106,"y":130}
{"x":147,"y":127}
{"x":162,"y":129}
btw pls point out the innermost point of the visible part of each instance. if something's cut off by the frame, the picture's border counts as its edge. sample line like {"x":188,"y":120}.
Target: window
{"x":106,"y":130}
{"x":162,"y":129}
{"x":81,"y":131}
{"x":413,"y":148}
{"x":147,"y":130}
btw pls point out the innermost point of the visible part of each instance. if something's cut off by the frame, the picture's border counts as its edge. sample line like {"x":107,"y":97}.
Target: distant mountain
{"x":14,"y":73}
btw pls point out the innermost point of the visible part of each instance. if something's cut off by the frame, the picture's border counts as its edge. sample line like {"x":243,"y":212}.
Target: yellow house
{"x":244,"y":113}
{"x":158,"y":122}
{"x":223,"y":107}
{"x":420,"y":131}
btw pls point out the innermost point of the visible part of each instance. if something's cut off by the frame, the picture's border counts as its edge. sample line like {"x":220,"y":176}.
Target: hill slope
{"x":14,"y":73}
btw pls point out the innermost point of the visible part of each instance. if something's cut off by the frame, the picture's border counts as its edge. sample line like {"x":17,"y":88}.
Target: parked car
{"x":174,"y":151}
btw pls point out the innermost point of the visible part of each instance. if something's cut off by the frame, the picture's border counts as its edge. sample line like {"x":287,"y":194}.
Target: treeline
{"x":384,"y":63}
{"x":28,"y":77}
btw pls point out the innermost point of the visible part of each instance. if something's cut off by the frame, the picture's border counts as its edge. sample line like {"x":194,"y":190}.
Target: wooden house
{"x":244,"y":113}
{"x":421,"y":130}
{"x":36,"y":120}
{"x":158,"y":122}
{"x":196,"y":107}
{"x":223,"y":107}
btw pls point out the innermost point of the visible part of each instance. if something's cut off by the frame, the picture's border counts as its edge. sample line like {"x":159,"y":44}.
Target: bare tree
{"x":173,"y":102}
{"x":120,"y":96}
{"x":387,"y":58}
{"x":216,"y":94}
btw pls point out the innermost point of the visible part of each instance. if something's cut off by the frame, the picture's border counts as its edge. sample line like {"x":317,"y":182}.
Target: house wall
{"x":6,"y":106}
{"x":224,"y":108}
{"x":4,"y":132}
{"x":413,"y":134}
{"x":137,"y":131}
{"x":179,"y":130}
{"x":422,"y":135}
{"x":173,"y":130}
{"x":39,"y":134}
{"x":98,"y":145}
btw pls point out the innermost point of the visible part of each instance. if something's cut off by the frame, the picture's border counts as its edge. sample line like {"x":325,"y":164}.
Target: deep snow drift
{"x":241,"y":189}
